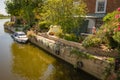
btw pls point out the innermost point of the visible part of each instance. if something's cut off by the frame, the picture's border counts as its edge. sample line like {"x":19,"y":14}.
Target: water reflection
{"x":48,"y":73}
{"x":30,"y":62}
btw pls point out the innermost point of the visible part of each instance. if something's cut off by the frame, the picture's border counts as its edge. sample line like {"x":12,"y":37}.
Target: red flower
{"x":118,"y":9}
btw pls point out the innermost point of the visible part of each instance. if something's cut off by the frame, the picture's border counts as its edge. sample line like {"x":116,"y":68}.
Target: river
{"x":28,"y":62}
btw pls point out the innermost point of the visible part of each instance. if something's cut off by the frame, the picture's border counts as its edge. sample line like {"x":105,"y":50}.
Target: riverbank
{"x":4,"y":17}
{"x":73,"y":53}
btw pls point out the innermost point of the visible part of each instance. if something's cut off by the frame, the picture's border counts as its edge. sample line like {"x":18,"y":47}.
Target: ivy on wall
{"x":82,"y":54}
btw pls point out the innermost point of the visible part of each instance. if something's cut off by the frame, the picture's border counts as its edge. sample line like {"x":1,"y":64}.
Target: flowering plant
{"x":108,"y":34}
{"x":116,"y":35}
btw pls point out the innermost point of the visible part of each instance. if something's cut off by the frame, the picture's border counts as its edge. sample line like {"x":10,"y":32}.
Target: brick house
{"x":97,"y":10}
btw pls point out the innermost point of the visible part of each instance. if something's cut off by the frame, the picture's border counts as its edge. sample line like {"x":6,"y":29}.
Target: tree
{"x":66,"y":13}
{"x":12,"y":8}
{"x":23,"y":8}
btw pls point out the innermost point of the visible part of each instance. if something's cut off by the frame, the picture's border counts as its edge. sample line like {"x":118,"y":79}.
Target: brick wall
{"x":91,"y":5}
{"x":111,"y":5}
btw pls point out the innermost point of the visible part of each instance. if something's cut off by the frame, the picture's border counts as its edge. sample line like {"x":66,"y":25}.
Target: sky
{"x":2,"y":7}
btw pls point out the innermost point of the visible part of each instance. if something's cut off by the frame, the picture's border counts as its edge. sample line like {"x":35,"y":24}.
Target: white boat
{"x":20,"y":37}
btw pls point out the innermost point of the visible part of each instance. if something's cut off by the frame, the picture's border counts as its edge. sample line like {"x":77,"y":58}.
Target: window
{"x":101,"y":6}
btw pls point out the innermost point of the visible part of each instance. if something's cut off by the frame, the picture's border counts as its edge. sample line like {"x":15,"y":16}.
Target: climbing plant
{"x":82,"y":54}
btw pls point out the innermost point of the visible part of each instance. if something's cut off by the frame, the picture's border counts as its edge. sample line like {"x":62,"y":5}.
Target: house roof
{"x":95,"y":15}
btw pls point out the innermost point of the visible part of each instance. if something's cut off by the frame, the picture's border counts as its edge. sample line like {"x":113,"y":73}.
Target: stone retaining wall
{"x":94,"y":66}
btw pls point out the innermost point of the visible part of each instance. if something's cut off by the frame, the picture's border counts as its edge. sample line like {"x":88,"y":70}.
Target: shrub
{"x":18,"y":21}
{"x":116,"y":37}
{"x":61,"y":35}
{"x":71,"y":37}
{"x":26,"y":27}
{"x":81,"y":38}
{"x":30,"y":34}
{"x":92,"y":41}
{"x":109,"y":16}
{"x":43,"y":25}
{"x":108,"y":34}
{"x":9,"y":24}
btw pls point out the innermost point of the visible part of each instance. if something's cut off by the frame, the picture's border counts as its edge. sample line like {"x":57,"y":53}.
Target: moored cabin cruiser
{"x":20,"y":37}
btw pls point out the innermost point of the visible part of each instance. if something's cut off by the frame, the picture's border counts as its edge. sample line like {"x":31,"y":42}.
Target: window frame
{"x":96,"y":10}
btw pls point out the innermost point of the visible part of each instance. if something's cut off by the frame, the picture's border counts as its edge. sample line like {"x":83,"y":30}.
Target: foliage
{"x":4,"y":16}
{"x":18,"y":21}
{"x":108,"y":33}
{"x":64,"y":13}
{"x":92,"y":41}
{"x":61,"y":35}
{"x":26,"y":27}
{"x":118,"y":75}
{"x":12,"y":8}
{"x":9,"y":24}
{"x":81,"y":54}
{"x":26,"y":9}
{"x":1,"y":15}
{"x":108,"y":70}
{"x":30,"y":34}
{"x":116,"y":33}
{"x":113,"y":30}
{"x":43,"y":25}
{"x":109,"y":16}
{"x":116,"y":37}
{"x":71,"y":37}
{"x":111,"y":59}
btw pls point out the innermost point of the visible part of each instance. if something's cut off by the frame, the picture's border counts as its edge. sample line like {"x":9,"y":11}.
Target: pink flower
{"x":118,"y":28}
{"x":105,"y":30}
{"x":118,"y":9}
{"x":117,"y":16}
{"x":115,"y":30}
{"x":118,"y":24}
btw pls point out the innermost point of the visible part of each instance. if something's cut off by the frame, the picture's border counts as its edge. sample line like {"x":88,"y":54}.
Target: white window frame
{"x":96,"y":10}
